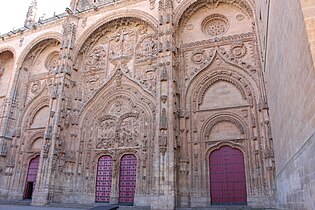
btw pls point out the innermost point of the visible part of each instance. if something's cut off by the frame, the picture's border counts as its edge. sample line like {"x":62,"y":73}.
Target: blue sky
{"x":13,"y":12}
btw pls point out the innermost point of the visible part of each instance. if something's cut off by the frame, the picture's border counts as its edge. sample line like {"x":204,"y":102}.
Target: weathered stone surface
{"x":168,"y":82}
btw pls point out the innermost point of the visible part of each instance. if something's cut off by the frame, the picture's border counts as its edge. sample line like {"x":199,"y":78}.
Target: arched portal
{"x":127,"y":178}
{"x":227,"y":177}
{"x":31,"y":178}
{"x":104,"y":179}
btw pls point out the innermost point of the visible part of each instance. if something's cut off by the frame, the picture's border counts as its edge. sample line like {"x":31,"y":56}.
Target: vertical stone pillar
{"x":53,"y":143}
{"x":164,"y":179}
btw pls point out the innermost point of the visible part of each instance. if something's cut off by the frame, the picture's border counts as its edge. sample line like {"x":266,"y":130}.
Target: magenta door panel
{"x":31,"y":177}
{"x":227,"y":177}
{"x":127,"y":178}
{"x":103,"y":179}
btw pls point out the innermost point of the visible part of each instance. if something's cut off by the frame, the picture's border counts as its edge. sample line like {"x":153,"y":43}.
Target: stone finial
{"x":31,"y":14}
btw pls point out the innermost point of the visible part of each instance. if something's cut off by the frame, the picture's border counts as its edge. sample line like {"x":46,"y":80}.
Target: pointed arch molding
{"x":126,"y":13}
{"x":228,"y":72}
{"x":52,"y":35}
{"x":123,"y":86}
{"x":188,"y":7}
{"x":236,"y":120}
{"x":32,"y":109}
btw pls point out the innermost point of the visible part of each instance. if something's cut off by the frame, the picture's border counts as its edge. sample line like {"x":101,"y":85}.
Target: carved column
{"x":53,"y":152}
{"x":164,"y":182}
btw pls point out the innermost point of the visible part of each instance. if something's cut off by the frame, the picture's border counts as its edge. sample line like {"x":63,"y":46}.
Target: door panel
{"x":103,"y":179}
{"x":227,"y":177}
{"x":127,"y":180}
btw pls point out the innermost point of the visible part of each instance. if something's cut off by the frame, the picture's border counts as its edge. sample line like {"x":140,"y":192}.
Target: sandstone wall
{"x":308,"y":7}
{"x":290,"y":78}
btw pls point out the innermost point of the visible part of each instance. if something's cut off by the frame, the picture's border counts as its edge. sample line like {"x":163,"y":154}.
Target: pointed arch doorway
{"x":227,"y":177}
{"x":31,"y":178}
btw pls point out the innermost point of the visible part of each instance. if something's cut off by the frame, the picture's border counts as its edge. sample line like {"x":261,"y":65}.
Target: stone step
{"x":25,"y":202}
{"x":134,"y":208}
{"x":225,"y":208}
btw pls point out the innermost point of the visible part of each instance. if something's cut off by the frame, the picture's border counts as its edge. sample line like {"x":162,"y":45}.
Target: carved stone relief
{"x":215,"y":25}
{"x":130,"y":46}
{"x":96,"y":59}
{"x":123,"y":125}
{"x":52,"y":61}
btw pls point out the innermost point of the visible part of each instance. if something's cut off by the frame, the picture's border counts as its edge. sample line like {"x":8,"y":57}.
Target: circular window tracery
{"x":215,"y":25}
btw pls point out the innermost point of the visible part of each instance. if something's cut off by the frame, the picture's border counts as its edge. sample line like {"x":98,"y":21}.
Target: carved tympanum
{"x":121,"y":126}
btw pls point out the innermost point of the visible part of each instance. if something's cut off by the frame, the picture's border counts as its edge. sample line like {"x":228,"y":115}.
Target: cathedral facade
{"x":159,"y":103}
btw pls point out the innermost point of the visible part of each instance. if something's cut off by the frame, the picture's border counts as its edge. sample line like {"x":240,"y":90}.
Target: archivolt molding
{"x":52,"y":35}
{"x":128,"y":88}
{"x":189,"y":7}
{"x":224,"y":117}
{"x":31,"y":139}
{"x":33,"y":108}
{"x":10,"y":49}
{"x":126,"y":13}
{"x":203,"y":89}
{"x":234,"y":145}
{"x":229,"y":72}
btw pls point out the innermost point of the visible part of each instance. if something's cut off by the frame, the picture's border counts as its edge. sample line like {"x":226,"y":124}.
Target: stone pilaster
{"x":164,"y":190}
{"x":53,"y":150}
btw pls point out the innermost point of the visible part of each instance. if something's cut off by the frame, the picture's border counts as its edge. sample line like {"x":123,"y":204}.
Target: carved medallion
{"x":35,"y":87}
{"x":215,"y":25}
{"x":198,"y":56}
{"x":238,"y":50}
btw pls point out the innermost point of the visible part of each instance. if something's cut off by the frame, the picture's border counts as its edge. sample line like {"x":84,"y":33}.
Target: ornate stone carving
{"x":52,"y":61}
{"x":215,"y":25}
{"x":122,"y":45}
{"x":147,"y":48}
{"x":121,"y":127}
{"x":198,"y":56}
{"x":152,"y":4}
{"x":35,"y":87}
{"x":238,"y":50}
{"x":96,"y":59}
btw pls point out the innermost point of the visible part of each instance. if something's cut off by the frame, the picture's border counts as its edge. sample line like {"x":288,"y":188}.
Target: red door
{"x":127,"y":178}
{"x":103,"y":179}
{"x":31,"y":178}
{"x":227,"y":177}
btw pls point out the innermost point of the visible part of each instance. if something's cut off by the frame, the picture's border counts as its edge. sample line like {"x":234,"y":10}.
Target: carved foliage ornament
{"x":215,"y":25}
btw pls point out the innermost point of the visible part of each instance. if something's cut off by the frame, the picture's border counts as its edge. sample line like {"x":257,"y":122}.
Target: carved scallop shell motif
{"x":215,"y":25}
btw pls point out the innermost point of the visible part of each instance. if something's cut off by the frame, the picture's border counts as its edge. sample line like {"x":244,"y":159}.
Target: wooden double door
{"x":127,"y":179}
